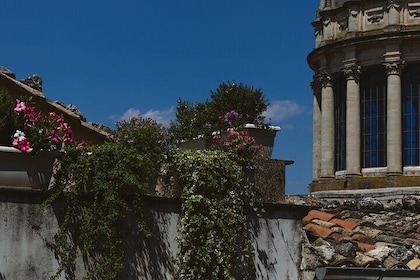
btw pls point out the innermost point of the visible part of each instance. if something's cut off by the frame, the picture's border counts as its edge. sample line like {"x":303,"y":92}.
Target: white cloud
{"x":164,"y":117}
{"x":280,"y":110}
{"x":130,"y":113}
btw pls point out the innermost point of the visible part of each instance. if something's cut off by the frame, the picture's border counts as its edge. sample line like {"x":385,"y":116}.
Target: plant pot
{"x":198,"y":143}
{"x":262,"y":136}
{"x":26,"y":171}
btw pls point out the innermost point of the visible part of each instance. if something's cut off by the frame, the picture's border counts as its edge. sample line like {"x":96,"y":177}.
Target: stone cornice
{"x":362,"y":42}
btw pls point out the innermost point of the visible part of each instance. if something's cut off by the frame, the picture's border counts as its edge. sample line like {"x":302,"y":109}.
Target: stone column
{"x":327,"y":127}
{"x":352,"y":72}
{"x":316,"y":128}
{"x":394,"y":118}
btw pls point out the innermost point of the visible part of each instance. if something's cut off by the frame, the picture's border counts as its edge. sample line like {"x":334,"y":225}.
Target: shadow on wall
{"x":146,"y":256}
{"x":151,"y":257}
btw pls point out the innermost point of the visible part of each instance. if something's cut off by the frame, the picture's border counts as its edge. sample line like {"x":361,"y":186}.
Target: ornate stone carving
{"x":353,"y":12}
{"x":375,"y":16}
{"x":323,"y":78}
{"x":394,"y":67}
{"x":414,"y":12}
{"x":343,"y":22}
{"x":394,"y":4}
{"x":352,"y":71}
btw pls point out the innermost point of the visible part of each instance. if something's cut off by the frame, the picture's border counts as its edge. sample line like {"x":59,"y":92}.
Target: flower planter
{"x":26,"y":171}
{"x":263,"y":136}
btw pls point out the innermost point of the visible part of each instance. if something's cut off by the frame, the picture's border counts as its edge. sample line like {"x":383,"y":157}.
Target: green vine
{"x":96,"y":190}
{"x":215,"y":236}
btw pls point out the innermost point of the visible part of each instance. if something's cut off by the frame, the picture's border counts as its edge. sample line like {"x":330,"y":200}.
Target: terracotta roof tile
{"x":351,"y":235}
{"x":371,"y":232}
{"x":362,"y":238}
{"x":347,"y":224}
{"x":393,"y":263}
{"x":316,"y":214}
{"x":364,"y":247}
{"x":414,"y":263}
{"x":318,"y":230}
{"x":365,"y":261}
{"x":338,"y":236}
{"x":322,"y":223}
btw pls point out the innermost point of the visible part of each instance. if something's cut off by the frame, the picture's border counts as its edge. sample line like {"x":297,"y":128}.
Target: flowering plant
{"x":234,"y":119}
{"x":40,"y":131}
{"x":148,"y":139}
{"x":241,"y":145}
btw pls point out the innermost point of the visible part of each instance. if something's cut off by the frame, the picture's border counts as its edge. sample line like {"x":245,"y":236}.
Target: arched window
{"x":411,"y":115}
{"x":373,"y":117}
{"x":340,"y":89}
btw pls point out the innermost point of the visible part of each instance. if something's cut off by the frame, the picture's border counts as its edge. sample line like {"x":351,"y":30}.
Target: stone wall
{"x":27,"y":232}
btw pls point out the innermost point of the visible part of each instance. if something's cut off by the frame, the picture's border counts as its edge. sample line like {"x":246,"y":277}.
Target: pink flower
{"x":82,"y":143}
{"x":20,"y":106}
{"x":21,"y":143}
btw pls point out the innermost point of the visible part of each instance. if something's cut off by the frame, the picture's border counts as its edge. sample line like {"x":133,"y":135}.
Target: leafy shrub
{"x":231,"y":105}
{"x":149,"y":139}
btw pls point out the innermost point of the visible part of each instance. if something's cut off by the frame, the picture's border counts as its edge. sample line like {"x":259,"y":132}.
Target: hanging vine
{"x":214,"y":237}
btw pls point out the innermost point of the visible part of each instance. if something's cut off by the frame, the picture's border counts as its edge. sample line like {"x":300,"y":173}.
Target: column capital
{"x":394,"y":67}
{"x":323,"y":78}
{"x":352,"y":71}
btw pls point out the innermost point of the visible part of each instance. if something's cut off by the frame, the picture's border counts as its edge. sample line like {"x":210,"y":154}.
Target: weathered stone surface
{"x":411,"y":203}
{"x":7,"y":72}
{"x":76,"y":111}
{"x":380,"y":253}
{"x":401,"y":254}
{"x":370,"y":204}
{"x":33,"y":81}
{"x":346,"y":249}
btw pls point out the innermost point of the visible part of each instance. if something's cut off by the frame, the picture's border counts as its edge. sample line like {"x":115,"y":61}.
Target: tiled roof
{"x":363,"y":233}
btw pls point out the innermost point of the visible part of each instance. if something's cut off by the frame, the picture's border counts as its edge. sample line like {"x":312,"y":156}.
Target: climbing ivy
{"x":214,"y":237}
{"x":96,"y":189}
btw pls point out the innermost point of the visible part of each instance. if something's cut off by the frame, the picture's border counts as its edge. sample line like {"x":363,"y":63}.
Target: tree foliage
{"x":202,"y":118}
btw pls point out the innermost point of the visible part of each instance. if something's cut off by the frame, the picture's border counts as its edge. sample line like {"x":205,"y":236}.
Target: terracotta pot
{"x":24,"y":170}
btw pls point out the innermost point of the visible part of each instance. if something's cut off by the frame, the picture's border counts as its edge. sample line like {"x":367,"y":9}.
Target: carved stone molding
{"x":353,"y":12}
{"x":394,"y":4}
{"x":414,"y":12}
{"x":352,"y":72}
{"x":393,"y":67}
{"x":343,"y":22}
{"x":375,"y":16}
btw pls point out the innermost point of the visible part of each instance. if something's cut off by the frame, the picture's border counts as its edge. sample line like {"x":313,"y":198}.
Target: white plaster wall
{"x":26,"y":230}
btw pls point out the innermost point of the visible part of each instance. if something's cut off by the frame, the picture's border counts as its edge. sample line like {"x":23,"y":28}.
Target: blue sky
{"x":113,"y":59}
